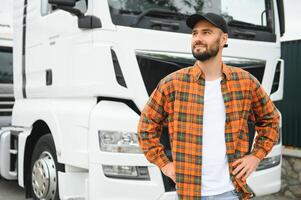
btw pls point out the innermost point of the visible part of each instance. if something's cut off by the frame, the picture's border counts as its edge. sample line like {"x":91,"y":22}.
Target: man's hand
{"x":169,"y":170}
{"x":245,"y":166}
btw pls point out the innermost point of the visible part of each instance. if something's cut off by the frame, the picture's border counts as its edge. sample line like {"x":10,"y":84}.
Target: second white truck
{"x":6,"y":65}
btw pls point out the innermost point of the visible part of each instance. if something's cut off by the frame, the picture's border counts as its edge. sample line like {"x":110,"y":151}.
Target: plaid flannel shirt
{"x":178,"y":102}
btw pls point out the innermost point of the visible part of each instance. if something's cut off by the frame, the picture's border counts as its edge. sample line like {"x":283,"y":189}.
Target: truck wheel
{"x":44,"y":181}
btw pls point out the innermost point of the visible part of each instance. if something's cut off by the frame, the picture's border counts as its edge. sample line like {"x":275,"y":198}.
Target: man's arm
{"x":267,"y":127}
{"x":150,"y":128}
{"x":266,"y":121}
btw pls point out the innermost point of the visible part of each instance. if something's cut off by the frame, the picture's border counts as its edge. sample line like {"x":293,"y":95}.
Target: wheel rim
{"x":44,"y":177}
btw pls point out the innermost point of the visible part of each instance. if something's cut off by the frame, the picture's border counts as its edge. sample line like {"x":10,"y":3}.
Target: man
{"x":206,"y":108}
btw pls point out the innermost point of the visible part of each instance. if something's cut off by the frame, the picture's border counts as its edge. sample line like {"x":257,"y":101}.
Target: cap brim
{"x":193,"y":19}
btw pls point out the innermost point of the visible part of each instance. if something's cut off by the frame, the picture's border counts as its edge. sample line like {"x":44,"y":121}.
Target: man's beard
{"x":208,"y":53}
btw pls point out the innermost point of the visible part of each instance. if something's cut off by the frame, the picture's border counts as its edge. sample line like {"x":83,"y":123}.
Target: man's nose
{"x":198,"y":39}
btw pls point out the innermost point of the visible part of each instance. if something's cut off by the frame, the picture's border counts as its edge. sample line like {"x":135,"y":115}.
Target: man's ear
{"x":224,"y":38}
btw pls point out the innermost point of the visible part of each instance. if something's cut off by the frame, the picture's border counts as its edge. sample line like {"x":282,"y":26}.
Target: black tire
{"x":45,"y":146}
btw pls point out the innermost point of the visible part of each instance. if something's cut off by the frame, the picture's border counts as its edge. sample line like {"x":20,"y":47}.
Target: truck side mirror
{"x":85,"y":22}
{"x":66,"y":5}
{"x":69,"y":3}
{"x":89,"y":22}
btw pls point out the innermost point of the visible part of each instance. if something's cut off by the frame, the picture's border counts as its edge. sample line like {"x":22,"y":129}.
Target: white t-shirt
{"x":215,"y":171}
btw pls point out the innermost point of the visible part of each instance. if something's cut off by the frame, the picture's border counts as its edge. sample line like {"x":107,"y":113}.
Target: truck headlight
{"x":126,"y":172}
{"x":269,"y":162}
{"x":118,"y":141}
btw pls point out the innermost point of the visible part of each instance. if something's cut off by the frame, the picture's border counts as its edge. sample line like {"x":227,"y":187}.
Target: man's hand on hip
{"x":169,"y":170}
{"x":244,"y":166}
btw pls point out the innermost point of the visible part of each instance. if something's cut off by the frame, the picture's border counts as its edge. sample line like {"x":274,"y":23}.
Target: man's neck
{"x":212,"y":68}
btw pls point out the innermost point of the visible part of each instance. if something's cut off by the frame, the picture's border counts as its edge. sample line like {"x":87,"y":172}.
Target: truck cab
{"x":83,"y":71}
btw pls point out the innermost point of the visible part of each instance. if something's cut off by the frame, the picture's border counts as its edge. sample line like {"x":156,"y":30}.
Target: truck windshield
{"x":170,"y":15}
{"x":6,"y":65}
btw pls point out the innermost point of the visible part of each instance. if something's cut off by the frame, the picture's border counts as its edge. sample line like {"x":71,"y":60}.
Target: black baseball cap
{"x":212,"y":18}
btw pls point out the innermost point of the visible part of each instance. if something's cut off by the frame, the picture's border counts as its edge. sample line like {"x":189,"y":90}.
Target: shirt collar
{"x":197,"y":71}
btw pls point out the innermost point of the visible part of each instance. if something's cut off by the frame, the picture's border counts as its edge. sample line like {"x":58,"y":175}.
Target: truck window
{"x":6,"y":65}
{"x":170,"y":15}
{"x":254,"y":12}
{"x":46,"y":8}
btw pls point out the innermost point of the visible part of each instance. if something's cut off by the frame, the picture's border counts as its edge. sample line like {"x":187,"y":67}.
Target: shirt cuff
{"x":161,"y":161}
{"x":260,"y":153}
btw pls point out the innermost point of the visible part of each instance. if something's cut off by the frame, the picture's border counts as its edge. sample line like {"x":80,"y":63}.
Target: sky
{"x":6,"y":6}
{"x":6,"y":11}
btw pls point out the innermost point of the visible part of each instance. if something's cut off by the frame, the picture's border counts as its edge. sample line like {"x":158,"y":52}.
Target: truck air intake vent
{"x":117,"y":69}
{"x":276,"y":80}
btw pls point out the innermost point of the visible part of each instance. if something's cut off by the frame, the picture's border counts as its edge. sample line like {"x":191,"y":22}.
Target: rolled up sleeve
{"x":150,"y":128}
{"x":266,"y":121}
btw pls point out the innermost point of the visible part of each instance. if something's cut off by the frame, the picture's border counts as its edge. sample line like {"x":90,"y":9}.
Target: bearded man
{"x":206,"y":108}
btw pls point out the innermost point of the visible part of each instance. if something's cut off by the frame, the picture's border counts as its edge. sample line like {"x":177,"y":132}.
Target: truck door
{"x":64,"y":41}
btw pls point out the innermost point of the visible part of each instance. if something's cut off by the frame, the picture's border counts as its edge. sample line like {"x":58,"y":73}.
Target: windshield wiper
{"x":122,"y":11}
{"x":157,"y":12}
{"x":243,"y":24}
{"x":239,"y":23}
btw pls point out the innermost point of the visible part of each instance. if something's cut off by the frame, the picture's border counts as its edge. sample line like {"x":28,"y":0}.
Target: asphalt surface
{"x":10,"y":190}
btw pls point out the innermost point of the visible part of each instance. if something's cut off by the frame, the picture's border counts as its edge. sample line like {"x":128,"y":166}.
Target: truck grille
{"x":6,"y":104}
{"x":154,"y":66}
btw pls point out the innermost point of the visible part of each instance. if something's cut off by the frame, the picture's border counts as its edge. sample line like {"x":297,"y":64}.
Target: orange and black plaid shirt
{"x":178,"y":102}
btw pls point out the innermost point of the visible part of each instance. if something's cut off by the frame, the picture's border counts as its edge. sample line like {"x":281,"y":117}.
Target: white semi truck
{"x":84,"y":69}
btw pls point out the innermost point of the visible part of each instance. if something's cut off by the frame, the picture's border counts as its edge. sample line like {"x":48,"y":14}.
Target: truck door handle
{"x":49,"y":77}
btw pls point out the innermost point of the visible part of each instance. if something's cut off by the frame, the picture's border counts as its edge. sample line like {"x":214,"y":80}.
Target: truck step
{"x":9,"y":152}
{"x":13,"y":174}
{"x":13,"y":151}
